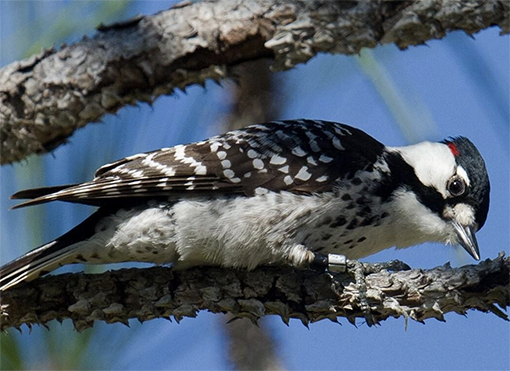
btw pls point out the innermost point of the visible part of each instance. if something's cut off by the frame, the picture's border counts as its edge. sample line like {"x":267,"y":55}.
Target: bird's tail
{"x":49,"y":256}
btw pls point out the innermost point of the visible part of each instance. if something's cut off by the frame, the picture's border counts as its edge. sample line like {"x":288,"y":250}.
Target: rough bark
{"x":309,"y":296}
{"x":45,"y":98}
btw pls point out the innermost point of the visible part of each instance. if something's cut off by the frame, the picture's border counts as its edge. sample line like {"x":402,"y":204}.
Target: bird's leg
{"x":331,"y":262}
{"x":392,"y":265}
{"x":339,"y":264}
{"x":360,"y":270}
{"x":336,"y":263}
{"x":356,"y":269}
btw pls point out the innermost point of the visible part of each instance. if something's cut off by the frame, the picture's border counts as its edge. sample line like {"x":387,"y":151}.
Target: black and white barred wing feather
{"x":302,"y":156}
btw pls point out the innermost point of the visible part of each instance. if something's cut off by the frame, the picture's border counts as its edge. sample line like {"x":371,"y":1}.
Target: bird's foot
{"x":392,"y":265}
{"x":335,"y":263}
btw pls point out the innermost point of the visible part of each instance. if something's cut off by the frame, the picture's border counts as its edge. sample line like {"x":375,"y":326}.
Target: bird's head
{"x":450,"y":179}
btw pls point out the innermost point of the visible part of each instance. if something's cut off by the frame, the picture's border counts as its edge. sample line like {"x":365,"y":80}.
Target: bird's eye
{"x":456,"y":187}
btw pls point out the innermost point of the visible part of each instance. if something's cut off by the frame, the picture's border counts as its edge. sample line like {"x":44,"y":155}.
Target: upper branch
{"x":145,"y":294}
{"x":45,"y":98}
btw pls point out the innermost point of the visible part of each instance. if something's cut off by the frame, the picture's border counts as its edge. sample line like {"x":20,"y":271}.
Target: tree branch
{"x":45,"y":98}
{"x":159,"y":292}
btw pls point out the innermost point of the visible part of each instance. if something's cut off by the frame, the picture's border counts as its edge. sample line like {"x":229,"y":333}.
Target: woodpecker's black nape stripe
{"x":472,"y":161}
{"x":403,"y":176}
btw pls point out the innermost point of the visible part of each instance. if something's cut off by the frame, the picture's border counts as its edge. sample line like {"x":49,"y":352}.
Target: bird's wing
{"x":303,"y":156}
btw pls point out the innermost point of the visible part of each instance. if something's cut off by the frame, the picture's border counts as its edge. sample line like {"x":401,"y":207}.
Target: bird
{"x":278,"y":193}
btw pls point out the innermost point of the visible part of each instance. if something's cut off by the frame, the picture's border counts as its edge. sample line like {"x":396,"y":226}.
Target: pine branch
{"x":309,"y":296}
{"x":45,"y":98}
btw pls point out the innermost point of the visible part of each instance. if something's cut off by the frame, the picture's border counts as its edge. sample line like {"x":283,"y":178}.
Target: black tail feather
{"x":37,"y":195}
{"x":38,"y":192}
{"x":49,"y":256}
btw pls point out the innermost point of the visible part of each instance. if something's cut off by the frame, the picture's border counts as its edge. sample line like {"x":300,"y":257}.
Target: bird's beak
{"x":467,"y":239}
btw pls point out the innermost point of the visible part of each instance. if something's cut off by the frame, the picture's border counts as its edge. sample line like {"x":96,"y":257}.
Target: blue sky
{"x":454,"y":86}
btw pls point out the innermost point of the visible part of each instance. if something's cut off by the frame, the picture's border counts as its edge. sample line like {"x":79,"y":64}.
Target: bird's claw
{"x":360,"y":270}
{"x":392,"y":265}
{"x":336,"y":263}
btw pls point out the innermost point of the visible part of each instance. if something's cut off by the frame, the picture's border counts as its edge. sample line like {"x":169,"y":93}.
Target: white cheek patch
{"x":462,"y":213}
{"x":433,"y":163}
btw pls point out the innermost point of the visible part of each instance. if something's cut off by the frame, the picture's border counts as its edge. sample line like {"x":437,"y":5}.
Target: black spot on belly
{"x":326,"y":237}
{"x":326,"y":220}
{"x":346,"y":197}
{"x":353,"y":224}
{"x":352,"y":246}
{"x":368,"y":221}
{"x":319,"y":248}
{"x":350,"y":206}
{"x":384,"y":215}
{"x":356,"y":181}
{"x":347,"y":242}
{"x":362,"y":239}
{"x":339,"y":221}
{"x":365,"y":210}
{"x":362,"y":200}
